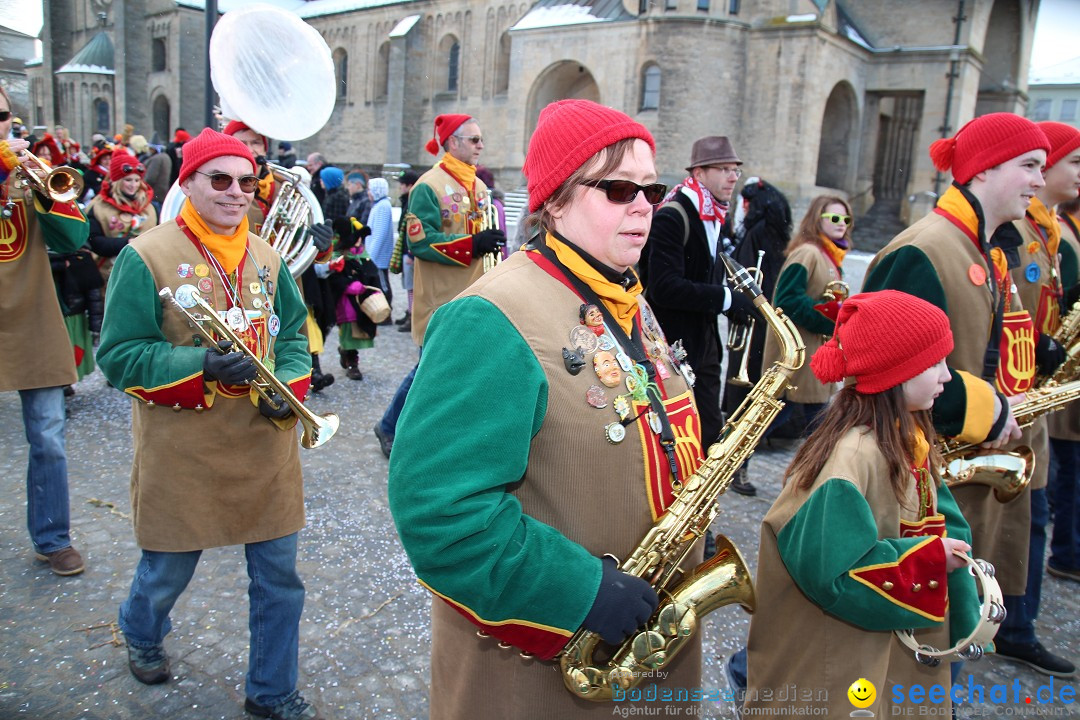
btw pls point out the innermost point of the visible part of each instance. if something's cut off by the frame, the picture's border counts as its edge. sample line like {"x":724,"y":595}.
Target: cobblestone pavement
{"x":364,"y":635}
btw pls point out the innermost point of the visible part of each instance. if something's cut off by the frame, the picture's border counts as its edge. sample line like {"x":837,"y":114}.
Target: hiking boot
{"x":1063,"y":573}
{"x":1035,"y":656}
{"x":65,"y":561}
{"x":404,"y":318}
{"x":293,"y":708}
{"x":343,"y":358}
{"x":385,"y":443}
{"x":406,"y":326}
{"x":321,"y":381}
{"x":741,"y":483}
{"x":150,"y":666}
{"x":353,"y":373}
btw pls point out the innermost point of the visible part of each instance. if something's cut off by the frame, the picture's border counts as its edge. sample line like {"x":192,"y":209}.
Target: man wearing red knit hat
{"x":448,"y":232}
{"x":222,"y":467}
{"x":946,"y":258}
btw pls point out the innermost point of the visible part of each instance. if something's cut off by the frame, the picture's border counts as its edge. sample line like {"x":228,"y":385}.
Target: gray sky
{"x":1055,"y":29}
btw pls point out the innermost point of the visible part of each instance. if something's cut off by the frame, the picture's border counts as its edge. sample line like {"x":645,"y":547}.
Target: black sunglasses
{"x":623,"y":192}
{"x":223,"y":181}
{"x":128,"y":169}
{"x":5,"y":115}
{"x":474,"y":139}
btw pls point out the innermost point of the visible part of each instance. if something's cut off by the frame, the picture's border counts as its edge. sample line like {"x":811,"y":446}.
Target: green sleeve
{"x":832,"y":537}
{"x":133,"y":351}
{"x":963,"y":595}
{"x":291,"y":357}
{"x":425,"y":205}
{"x":462,"y":443}
{"x":63,"y":225}
{"x":1070,"y":266}
{"x":790,"y":295}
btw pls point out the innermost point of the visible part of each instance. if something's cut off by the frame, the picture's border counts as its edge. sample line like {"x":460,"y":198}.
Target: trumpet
{"x":491,"y":222}
{"x":740,"y":336}
{"x":61,"y":184}
{"x":837,"y":290}
{"x":318,"y":429}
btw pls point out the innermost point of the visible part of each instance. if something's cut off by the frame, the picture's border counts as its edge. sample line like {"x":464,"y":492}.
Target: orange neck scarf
{"x":1046,"y":220}
{"x":834,"y":251}
{"x":956,"y":205}
{"x":228,"y":249}
{"x":621,"y":303}
{"x":463,"y":172}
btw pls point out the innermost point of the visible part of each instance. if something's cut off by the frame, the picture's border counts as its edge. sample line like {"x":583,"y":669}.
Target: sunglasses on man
{"x":623,"y":192}
{"x":473,"y":139}
{"x":223,"y":181}
{"x":836,"y":218}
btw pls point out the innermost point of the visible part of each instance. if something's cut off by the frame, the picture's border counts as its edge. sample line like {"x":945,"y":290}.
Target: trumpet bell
{"x":319,"y":430}
{"x":60,"y":184}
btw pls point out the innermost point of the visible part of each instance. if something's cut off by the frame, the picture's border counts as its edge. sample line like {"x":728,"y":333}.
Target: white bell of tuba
{"x":273,"y":72}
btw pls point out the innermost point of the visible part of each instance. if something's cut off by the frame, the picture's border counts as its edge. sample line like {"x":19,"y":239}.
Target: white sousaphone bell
{"x":275,"y":73}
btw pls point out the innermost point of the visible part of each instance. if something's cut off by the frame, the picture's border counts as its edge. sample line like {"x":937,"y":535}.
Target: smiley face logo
{"x":862,"y":693}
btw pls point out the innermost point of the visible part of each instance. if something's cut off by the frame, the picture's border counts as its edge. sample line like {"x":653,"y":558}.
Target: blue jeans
{"x":388,"y":423}
{"x":1019,"y":625}
{"x":276,"y":596}
{"x":1062,"y":489}
{"x":47,"y":514}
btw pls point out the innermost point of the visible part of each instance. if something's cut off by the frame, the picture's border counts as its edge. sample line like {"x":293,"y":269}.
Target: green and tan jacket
{"x":35,"y":350}
{"x":443,"y":216}
{"x":1065,"y":424}
{"x":843,"y":564}
{"x":209,"y":470}
{"x":506,"y":491}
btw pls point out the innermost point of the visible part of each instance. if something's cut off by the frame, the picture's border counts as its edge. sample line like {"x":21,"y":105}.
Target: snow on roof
{"x":95,"y":57}
{"x":402,"y":28}
{"x":557,"y":15}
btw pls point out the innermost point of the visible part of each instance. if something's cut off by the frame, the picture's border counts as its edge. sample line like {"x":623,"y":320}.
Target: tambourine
{"x":991,"y":615}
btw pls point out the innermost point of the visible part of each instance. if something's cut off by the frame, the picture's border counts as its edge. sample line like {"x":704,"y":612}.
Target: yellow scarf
{"x":920,"y":448}
{"x":621,"y":303}
{"x":954,"y":203}
{"x":834,"y":251}
{"x":463,"y":172}
{"x":228,"y":249}
{"x":1046,"y":220}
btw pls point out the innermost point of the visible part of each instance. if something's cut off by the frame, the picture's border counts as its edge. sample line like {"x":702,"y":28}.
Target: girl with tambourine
{"x":862,"y":539}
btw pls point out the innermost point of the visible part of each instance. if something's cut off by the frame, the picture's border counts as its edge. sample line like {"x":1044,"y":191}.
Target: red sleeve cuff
{"x":458,"y":251}
{"x":185,"y":394}
{"x":916,"y":582}
{"x":829,"y":309}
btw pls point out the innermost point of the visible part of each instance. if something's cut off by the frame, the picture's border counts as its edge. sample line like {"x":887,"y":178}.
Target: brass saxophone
{"x":1068,"y":336}
{"x":1008,"y":473}
{"x":723,"y":579}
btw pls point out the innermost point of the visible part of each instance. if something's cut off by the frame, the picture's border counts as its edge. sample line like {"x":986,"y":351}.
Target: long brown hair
{"x":887,"y":417}
{"x":810,"y":227}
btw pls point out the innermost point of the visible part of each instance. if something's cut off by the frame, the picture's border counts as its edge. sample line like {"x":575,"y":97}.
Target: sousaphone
{"x":275,"y":73}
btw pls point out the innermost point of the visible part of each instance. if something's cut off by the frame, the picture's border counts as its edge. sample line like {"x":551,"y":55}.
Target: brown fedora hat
{"x":712,"y":150}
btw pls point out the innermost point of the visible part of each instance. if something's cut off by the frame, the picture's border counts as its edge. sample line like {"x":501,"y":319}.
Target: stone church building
{"x":817,"y":95}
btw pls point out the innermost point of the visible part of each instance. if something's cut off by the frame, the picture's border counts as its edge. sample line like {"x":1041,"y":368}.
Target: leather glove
{"x":487,"y":241}
{"x":1072,"y":295}
{"x":742,"y":309}
{"x":283,"y":409}
{"x":1048,"y":354}
{"x":623,"y":604}
{"x":323,"y":235}
{"x":231,"y":368}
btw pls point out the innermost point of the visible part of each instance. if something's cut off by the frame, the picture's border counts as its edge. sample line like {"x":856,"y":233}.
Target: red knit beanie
{"x":120,"y":158}
{"x":986,"y":142}
{"x":181,"y":136}
{"x":568,"y":133}
{"x":1064,"y":139}
{"x":869,"y":345}
{"x":236,"y":126}
{"x":445,"y":125}
{"x":208,"y":145}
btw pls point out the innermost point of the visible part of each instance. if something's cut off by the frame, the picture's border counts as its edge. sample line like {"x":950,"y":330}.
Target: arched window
{"x":650,"y":88}
{"x":102,"y":121}
{"x":836,"y":148}
{"x":450,"y":52}
{"x":158,"y":56}
{"x":162,"y":121}
{"x":382,"y":71}
{"x":502,"y":69}
{"x":341,"y":72}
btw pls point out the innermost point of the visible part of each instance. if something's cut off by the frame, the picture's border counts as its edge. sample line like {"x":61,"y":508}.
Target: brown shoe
{"x":65,"y":561}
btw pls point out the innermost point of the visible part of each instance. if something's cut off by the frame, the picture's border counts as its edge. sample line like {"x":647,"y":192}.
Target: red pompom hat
{"x":120,"y":158}
{"x":445,"y":125}
{"x":181,"y":136}
{"x":568,"y":133}
{"x":236,"y":126}
{"x":1064,"y":139}
{"x":208,"y":145}
{"x":986,"y":142}
{"x":869,"y":346}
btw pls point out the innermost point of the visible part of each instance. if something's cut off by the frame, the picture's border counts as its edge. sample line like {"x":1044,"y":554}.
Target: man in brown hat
{"x":684,"y":281}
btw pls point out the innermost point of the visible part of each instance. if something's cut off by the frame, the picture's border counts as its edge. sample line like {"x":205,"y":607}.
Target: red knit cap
{"x":986,"y":142}
{"x":120,"y":158}
{"x":181,"y":136}
{"x":208,"y":145}
{"x":869,"y":345}
{"x":568,"y":133}
{"x":445,"y":125}
{"x":1064,"y":139}
{"x":236,"y":126}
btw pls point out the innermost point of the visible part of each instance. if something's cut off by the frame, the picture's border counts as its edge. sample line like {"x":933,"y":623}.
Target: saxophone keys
{"x":621,"y":678}
{"x":646,"y":645}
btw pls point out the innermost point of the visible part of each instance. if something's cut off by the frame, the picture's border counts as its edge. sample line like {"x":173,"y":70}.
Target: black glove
{"x":742,"y":309}
{"x":322,"y":234}
{"x":283,"y":410}
{"x":231,"y":368}
{"x":1072,"y":295}
{"x":1048,"y":354}
{"x":623,"y":604}
{"x":363,"y":232}
{"x":487,"y":241}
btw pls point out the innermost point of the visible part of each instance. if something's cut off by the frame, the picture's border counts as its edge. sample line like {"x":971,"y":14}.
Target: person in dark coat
{"x":286,"y":157}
